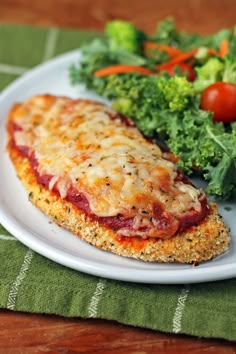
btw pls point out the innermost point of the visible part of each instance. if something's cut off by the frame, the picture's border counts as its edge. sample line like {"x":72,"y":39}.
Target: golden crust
{"x":199,"y":243}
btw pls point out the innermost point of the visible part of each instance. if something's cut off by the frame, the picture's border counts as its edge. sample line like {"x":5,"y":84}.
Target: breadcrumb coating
{"x":199,"y":243}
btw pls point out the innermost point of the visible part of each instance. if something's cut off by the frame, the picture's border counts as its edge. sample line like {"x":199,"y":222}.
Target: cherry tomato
{"x":184,"y":68}
{"x":220,"y":98}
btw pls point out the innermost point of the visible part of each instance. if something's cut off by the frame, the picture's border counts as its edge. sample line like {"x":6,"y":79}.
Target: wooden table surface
{"x":26,"y":333}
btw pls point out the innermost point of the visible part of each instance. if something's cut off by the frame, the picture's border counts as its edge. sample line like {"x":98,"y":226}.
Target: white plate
{"x":35,"y":230}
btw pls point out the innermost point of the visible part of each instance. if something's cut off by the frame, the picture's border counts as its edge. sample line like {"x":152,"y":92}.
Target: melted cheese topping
{"x":119,"y":172}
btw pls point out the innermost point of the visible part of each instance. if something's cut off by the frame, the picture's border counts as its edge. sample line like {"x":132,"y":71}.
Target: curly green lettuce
{"x":168,"y":108}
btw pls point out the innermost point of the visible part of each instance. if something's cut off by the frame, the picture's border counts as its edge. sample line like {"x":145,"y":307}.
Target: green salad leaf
{"x":164,"y":107}
{"x":223,"y":176}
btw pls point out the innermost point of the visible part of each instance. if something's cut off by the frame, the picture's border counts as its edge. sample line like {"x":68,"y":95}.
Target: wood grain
{"x":26,"y":333}
{"x":204,"y":16}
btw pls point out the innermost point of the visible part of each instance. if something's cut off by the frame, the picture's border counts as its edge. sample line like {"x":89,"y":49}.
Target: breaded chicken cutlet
{"x":90,"y":170}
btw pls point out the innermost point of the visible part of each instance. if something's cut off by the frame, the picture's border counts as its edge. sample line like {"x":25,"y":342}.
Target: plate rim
{"x":192,"y":274}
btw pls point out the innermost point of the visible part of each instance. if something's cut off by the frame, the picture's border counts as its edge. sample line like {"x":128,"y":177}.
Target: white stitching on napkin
{"x":51,"y":42}
{"x":50,"y":47}
{"x":95,"y":299}
{"x":12,"y":69}
{"x":7,"y":237}
{"x":11,"y":301}
{"x":177,"y":319}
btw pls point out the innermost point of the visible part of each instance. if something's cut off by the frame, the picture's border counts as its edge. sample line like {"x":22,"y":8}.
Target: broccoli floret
{"x":124,"y":35}
{"x":123,"y":105}
{"x":177,"y":92}
{"x":208,"y":74}
{"x":214,"y":70}
{"x":141,"y":97}
{"x":167,"y":32}
{"x":229,"y":74}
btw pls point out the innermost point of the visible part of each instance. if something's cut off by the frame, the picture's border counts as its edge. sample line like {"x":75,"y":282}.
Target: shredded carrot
{"x":178,"y":59}
{"x":122,"y":69}
{"x":224,"y":48}
{"x":172,"y":51}
{"x":212,"y":51}
{"x":185,"y":56}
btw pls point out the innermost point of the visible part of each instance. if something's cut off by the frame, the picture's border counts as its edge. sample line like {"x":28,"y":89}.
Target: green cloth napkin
{"x":32,"y":283}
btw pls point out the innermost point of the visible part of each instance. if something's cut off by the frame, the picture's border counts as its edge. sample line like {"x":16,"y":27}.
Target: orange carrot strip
{"x":172,"y":51}
{"x":212,"y":51}
{"x":178,"y":59}
{"x":183,"y":57}
{"x":224,"y":48}
{"x":122,"y":69}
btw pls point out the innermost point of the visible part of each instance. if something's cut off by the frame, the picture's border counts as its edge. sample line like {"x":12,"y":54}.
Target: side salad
{"x":179,"y":89}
